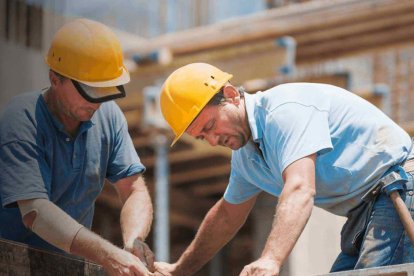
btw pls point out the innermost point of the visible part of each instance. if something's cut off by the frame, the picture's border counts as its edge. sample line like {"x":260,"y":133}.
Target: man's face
{"x":224,"y":124}
{"x":73,"y":105}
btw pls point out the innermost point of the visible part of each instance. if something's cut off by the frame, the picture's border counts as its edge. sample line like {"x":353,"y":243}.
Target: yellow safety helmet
{"x":187,"y":91}
{"x":89,"y":53}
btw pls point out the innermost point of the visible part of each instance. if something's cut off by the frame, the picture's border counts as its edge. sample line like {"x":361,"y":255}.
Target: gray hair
{"x":219,"y":97}
{"x":59,"y":76}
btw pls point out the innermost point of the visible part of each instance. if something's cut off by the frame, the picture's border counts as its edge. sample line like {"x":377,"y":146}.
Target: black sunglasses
{"x":90,"y":99}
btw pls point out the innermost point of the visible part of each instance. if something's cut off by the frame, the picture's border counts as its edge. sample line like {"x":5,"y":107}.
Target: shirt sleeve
{"x":24,"y":173}
{"x":124,"y":160}
{"x":297,"y":131}
{"x":239,"y":189}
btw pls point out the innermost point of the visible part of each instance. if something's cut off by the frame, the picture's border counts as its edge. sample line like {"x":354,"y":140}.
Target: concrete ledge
{"x":19,"y":259}
{"x":393,"y":270}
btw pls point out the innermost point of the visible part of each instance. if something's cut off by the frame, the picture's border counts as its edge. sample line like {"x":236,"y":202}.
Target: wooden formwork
{"x":19,"y":259}
{"x":393,"y":270}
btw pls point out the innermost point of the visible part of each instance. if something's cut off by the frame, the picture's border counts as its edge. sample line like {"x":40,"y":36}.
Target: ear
{"x":54,"y":80}
{"x":231,"y":94}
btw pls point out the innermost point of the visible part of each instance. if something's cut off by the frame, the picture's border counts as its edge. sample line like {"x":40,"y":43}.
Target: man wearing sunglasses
{"x":57,"y":146}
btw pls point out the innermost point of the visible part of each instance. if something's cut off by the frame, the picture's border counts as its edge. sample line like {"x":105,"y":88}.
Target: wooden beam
{"x":339,"y":79}
{"x":325,"y":49}
{"x":180,"y":156}
{"x":199,"y":174}
{"x":408,"y":126}
{"x":134,"y":118}
{"x":204,"y":146}
{"x":358,"y":29}
{"x":131,"y":102}
{"x":20,"y":259}
{"x":183,"y":202}
{"x":285,"y":21}
{"x":185,"y":220}
{"x":207,"y":190}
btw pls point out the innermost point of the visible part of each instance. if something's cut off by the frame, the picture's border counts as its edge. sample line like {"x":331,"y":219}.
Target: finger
{"x":139,"y":270}
{"x":244,"y":272}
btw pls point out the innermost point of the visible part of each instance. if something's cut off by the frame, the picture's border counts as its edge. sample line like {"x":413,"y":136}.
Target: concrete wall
{"x":21,"y":69}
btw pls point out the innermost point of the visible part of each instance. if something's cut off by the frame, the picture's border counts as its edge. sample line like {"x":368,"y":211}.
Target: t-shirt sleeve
{"x":24,"y":173}
{"x":297,"y":131}
{"x":124,"y":160}
{"x":239,"y":189}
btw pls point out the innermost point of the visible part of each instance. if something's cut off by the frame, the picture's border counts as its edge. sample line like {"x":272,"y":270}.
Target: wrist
{"x":129,"y":244}
{"x":271,"y":257}
{"x":177,"y":270}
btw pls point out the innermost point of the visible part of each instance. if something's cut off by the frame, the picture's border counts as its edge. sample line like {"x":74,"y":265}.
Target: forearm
{"x":292,"y":213}
{"x":56,"y":227}
{"x":136,"y":216}
{"x":91,"y":246}
{"x":216,"y":230}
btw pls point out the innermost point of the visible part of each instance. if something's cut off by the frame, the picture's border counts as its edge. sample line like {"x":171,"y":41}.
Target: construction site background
{"x":365,"y":46}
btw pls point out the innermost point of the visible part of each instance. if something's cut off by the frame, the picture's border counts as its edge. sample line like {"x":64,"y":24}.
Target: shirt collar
{"x":59,"y":126}
{"x":251,"y":106}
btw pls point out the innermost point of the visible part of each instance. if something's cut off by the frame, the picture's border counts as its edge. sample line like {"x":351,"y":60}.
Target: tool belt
{"x":353,"y":230}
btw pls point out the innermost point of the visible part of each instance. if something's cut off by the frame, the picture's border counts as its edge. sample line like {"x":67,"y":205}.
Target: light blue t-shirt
{"x":355,"y":143}
{"x":38,"y":159}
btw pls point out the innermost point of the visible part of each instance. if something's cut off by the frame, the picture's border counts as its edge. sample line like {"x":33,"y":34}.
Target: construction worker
{"x":307,"y":144}
{"x":57,"y":147}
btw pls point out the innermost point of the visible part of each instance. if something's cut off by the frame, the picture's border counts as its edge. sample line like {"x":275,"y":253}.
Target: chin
{"x":235,"y":147}
{"x":86,"y":117}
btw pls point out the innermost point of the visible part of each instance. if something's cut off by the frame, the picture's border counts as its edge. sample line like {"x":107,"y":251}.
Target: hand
{"x":120,"y":262}
{"x":143,"y":252}
{"x":164,"y":269}
{"x":261,"y":267}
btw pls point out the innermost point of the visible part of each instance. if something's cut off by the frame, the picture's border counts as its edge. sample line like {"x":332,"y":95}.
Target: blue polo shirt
{"x":354,"y":141}
{"x":38,"y":159}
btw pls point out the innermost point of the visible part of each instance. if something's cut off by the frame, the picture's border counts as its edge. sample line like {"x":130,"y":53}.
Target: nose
{"x":212,"y":139}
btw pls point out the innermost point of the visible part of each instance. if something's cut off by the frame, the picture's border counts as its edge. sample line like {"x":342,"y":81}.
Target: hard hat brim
{"x":124,"y":78}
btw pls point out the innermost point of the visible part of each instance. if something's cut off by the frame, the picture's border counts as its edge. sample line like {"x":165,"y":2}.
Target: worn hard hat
{"x":89,"y":53}
{"x":187,"y":91}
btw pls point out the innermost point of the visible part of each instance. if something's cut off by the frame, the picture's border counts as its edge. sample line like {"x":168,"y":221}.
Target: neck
{"x":70,"y":124}
{"x":245,"y":119}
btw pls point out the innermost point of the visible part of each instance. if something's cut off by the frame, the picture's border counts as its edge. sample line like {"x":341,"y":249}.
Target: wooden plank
{"x":255,"y":60}
{"x":266,"y":25}
{"x":134,"y":118}
{"x":184,"y":220}
{"x":207,"y":190}
{"x":19,"y":259}
{"x":409,"y":127}
{"x":392,"y":270}
{"x":181,"y":156}
{"x":182,"y":201}
{"x":326,"y":49}
{"x":255,"y":85}
{"x":199,"y":174}
{"x":358,"y":29}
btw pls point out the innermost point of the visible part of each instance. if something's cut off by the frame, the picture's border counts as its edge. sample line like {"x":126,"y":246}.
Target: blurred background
{"x":365,"y":46}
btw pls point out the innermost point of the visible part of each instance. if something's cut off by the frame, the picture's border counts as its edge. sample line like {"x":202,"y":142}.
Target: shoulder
{"x":296,"y":95}
{"x":19,"y":119}
{"x":110,"y":117}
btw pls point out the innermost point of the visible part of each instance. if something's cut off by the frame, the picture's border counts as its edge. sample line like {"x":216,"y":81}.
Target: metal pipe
{"x":162,"y":229}
{"x":289,"y":43}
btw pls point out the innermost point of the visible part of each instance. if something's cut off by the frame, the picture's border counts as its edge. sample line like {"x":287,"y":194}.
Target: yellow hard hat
{"x":88,"y":52}
{"x":187,"y":91}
